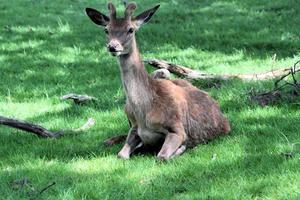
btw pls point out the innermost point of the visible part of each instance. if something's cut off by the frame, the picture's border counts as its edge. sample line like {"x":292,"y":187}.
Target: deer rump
{"x":204,"y":120}
{"x":178,"y":103}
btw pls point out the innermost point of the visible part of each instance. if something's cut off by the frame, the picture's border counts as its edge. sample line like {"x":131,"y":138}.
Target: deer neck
{"x":136,"y":81}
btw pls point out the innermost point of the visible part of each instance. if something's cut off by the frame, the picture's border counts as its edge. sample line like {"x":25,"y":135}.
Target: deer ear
{"x":97,"y":17}
{"x":145,"y":16}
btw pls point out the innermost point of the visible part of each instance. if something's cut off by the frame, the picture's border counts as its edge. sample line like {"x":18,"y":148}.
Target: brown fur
{"x":171,"y":113}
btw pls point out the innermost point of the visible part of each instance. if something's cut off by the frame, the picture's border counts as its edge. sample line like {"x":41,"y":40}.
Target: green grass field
{"x":50,"y":48}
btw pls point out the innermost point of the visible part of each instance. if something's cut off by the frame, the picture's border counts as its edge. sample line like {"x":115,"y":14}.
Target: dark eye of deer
{"x":130,"y":30}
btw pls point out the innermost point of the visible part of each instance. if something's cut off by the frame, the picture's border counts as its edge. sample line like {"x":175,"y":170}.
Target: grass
{"x":50,"y":48}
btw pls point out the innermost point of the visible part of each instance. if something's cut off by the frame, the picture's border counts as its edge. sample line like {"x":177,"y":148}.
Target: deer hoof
{"x":162,"y":157}
{"x":123,"y":155}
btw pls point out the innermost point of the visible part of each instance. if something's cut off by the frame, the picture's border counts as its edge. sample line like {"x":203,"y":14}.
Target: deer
{"x":172,"y":115}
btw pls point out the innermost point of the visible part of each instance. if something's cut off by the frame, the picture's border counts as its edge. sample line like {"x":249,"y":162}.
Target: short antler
{"x":112,"y":11}
{"x":129,"y":10}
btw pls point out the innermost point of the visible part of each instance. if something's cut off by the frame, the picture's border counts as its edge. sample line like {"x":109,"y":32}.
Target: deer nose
{"x":114,"y":46}
{"x":112,"y":49}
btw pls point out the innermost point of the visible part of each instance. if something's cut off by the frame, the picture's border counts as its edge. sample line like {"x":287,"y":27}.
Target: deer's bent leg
{"x":173,"y":143}
{"x":179,"y":151}
{"x":133,"y":141}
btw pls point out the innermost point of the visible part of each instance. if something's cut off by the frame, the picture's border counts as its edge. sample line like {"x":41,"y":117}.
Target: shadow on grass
{"x":251,"y":175}
{"x":253,"y":169}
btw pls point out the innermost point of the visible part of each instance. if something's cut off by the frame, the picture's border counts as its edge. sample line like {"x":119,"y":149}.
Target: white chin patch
{"x":116,"y":53}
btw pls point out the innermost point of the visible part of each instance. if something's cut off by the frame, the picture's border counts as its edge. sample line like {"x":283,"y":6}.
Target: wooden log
{"x":78,"y":98}
{"x":189,"y":73}
{"x":29,"y":127}
{"x":39,"y":130}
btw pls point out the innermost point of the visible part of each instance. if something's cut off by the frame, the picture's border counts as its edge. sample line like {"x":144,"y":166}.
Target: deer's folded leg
{"x":179,"y":151}
{"x":133,"y":141}
{"x":172,"y":143}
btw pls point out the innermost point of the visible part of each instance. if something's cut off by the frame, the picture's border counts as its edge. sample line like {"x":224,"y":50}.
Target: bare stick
{"x":39,"y":130}
{"x":78,"y":98}
{"x":86,"y":126}
{"x":292,"y":71}
{"x":29,"y":127}
{"x":277,"y":93}
{"x":47,"y":187}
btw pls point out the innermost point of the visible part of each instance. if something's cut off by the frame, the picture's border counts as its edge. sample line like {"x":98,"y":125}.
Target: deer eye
{"x":106,"y":31}
{"x":131,"y":30}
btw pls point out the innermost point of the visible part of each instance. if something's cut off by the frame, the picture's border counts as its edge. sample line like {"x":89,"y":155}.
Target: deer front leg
{"x":179,"y":151}
{"x":133,"y":141}
{"x":172,"y":145}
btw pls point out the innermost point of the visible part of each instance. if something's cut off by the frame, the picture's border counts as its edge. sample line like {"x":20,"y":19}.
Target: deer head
{"x":120,"y":31}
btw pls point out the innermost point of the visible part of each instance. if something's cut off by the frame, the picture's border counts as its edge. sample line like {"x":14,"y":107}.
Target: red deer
{"x":170,"y":113}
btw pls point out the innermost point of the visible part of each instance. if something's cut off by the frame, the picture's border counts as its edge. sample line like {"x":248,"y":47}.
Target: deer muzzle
{"x":115,"y":47}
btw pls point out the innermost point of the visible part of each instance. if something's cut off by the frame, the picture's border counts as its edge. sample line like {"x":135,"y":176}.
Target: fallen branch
{"x":29,"y":127}
{"x":194,"y":74}
{"x":86,"y":126}
{"x":78,"y":98}
{"x":292,"y":71}
{"x":39,"y":130}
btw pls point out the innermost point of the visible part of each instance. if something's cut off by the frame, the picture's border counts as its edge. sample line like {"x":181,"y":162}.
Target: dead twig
{"x":86,"y":126}
{"x":281,"y":90}
{"x":47,"y":187}
{"x":39,"y":130}
{"x":291,"y":71}
{"x":29,"y":127}
{"x":78,"y":98}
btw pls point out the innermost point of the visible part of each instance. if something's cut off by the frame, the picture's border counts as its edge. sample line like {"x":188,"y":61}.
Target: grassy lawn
{"x":50,"y":48}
